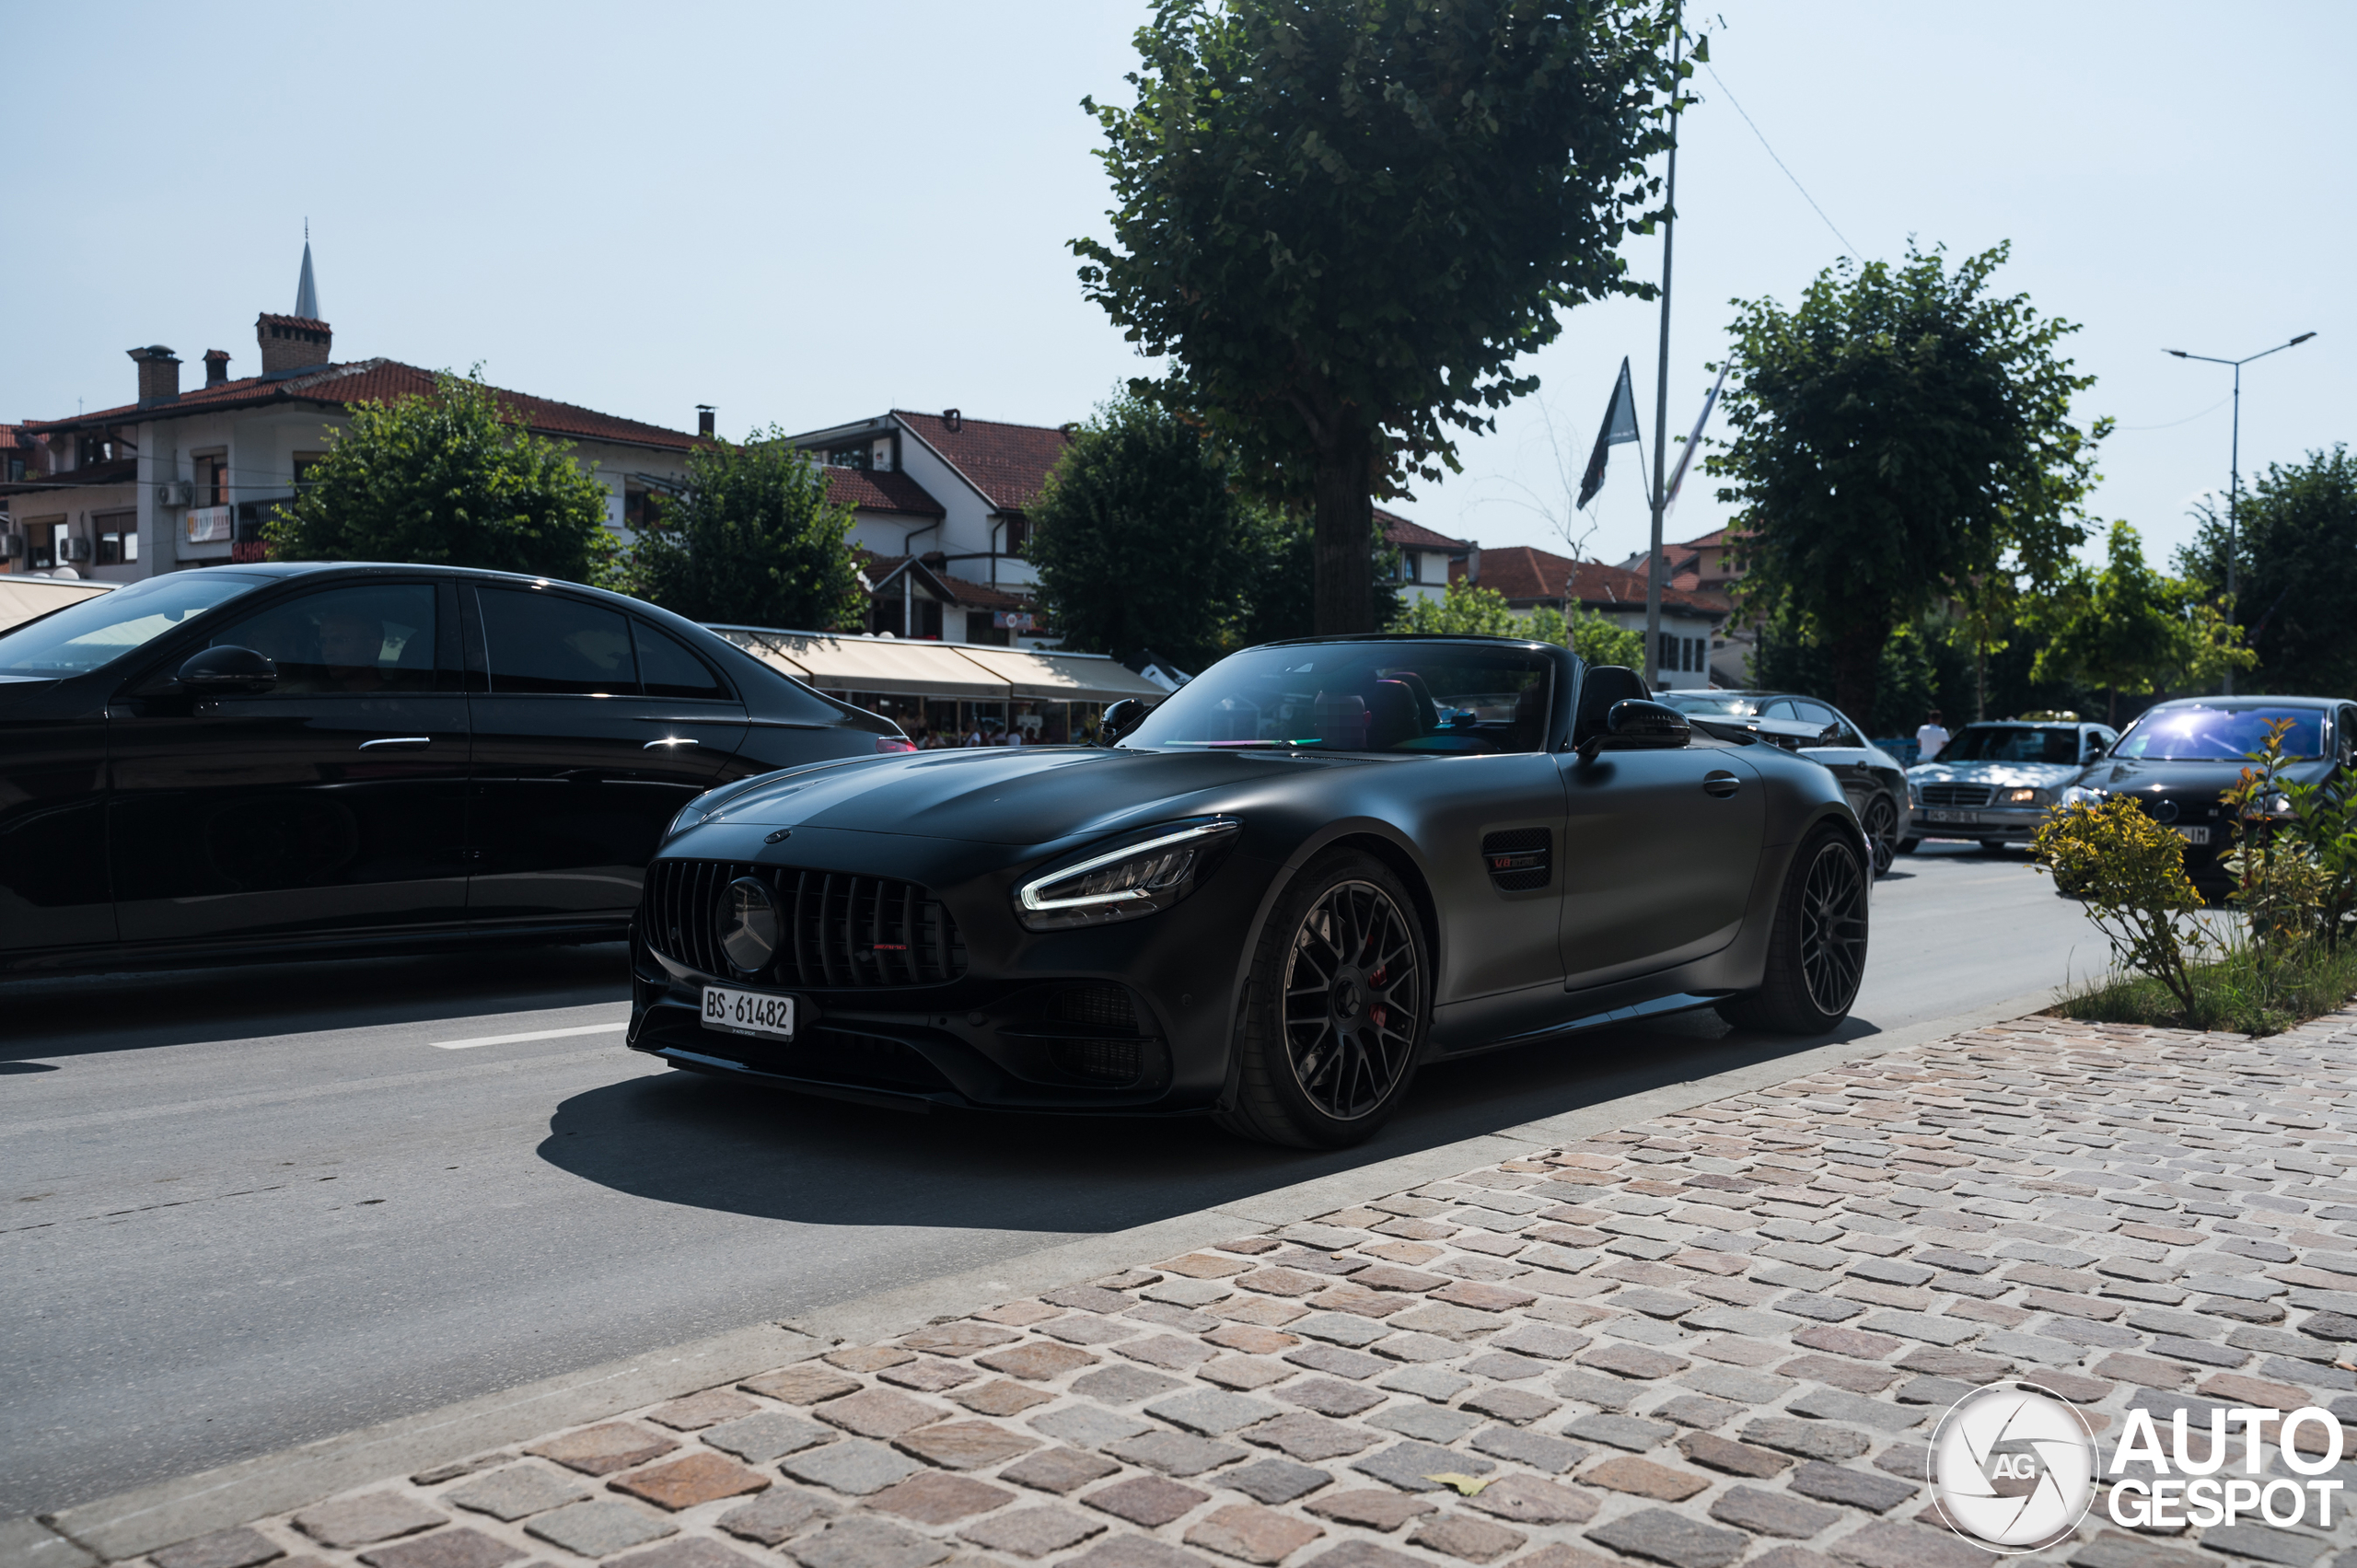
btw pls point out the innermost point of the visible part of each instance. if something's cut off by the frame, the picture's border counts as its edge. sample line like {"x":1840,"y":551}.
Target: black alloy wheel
{"x":1817,"y":954}
{"x":1882,"y":832}
{"x":1833,"y":929}
{"x":1336,"y":1007}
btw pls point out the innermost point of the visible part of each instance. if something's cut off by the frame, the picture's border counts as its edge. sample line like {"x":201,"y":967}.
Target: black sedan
{"x":1272,"y":896}
{"x":1875,"y":781}
{"x":279,"y":760}
{"x":2179,"y":758}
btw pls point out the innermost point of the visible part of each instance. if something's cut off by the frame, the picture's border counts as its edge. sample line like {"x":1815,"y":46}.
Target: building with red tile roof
{"x":1428,"y":560}
{"x":1531,"y":578}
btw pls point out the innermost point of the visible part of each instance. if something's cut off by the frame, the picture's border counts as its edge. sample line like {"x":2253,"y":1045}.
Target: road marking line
{"x":536,"y":1034}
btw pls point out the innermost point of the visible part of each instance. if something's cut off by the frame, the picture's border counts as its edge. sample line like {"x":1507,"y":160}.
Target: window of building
{"x":304,"y":463}
{"x":212,"y":478}
{"x":1016,"y":531}
{"x":847,"y":458}
{"x":93,"y":449}
{"x":118,"y":536}
{"x":979,"y":630}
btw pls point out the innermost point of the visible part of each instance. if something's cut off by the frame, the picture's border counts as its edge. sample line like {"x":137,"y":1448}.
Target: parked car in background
{"x":2179,"y":758}
{"x":1273,"y":897}
{"x":281,"y":760}
{"x":1996,"y":779}
{"x":1875,"y":781}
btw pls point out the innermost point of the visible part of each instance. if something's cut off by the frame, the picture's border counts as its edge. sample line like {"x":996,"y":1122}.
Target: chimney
{"x":216,"y":366}
{"x":290,"y":343}
{"x":159,"y":373}
{"x":704,"y":420}
{"x":1473,"y":564}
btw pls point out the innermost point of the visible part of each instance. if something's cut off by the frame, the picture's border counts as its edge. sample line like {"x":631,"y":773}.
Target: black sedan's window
{"x":2200,"y":733}
{"x":547,"y":642}
{"x":96,"y":632}
{"x":668,"y":670}
{"x":369,"y":639}
{"x":1429,"y":697}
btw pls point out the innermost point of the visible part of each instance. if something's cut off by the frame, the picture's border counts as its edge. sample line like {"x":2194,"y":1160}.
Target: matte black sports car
{"x":2179,"y":758}
{"x":279,"y":760}
{"x":1875,"y":781}
{"x":1272,"y":896}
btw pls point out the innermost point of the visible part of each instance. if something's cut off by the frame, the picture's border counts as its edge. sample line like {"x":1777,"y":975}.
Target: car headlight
{"x":1122,"y":884}
{"x":2020,"y":796}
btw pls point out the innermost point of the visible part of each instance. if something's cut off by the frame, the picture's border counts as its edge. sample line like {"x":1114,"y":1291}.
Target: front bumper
{"x":1035,"y":1023}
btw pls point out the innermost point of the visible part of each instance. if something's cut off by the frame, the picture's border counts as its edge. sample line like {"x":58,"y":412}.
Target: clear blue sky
{"x":806,"y":214}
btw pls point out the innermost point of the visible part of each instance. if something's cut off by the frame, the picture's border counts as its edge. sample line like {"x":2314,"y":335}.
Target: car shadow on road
{"x":82,"y":1015}
{"x":708,"y":1144}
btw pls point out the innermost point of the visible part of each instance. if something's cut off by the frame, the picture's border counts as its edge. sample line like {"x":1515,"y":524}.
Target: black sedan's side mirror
{"x":2094,"y":750}
{"x":227,"y":672}
{"x":1121,"y":719}
{"x":1636,"y":725}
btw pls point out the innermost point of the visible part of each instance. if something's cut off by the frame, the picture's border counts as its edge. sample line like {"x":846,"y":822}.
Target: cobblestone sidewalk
{"x":1717,"y":1337}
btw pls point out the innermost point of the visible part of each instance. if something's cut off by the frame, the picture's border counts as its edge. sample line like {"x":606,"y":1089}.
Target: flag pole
{"x":1661,"y":386}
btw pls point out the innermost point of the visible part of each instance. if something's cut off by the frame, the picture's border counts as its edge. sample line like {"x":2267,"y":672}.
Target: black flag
{"x":1620,"y":424}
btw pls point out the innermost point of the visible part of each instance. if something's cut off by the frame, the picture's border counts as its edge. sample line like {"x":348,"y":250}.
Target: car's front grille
{"x":1957,"y":794}
{"x":839,"y":930}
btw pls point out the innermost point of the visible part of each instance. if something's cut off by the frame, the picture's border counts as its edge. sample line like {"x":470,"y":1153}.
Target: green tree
{"x":752,"y":542}
{"x":1279,"y":598}
{"x":1599,"y":641}
{"x":2297,"y":592}
{"x":450,"y":479}
{"x":1142,"y":540}
{"x":1341,"y":221}
{"x":1900,"y":435}
{"x":2129,"y":629}
{"x":1468,"y":609}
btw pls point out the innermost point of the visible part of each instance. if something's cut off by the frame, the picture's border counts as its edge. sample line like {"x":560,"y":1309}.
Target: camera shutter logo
{"x":2014,"y":1468}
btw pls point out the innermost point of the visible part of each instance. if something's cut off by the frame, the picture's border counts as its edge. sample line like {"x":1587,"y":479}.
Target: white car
{"x":1996,"y":779}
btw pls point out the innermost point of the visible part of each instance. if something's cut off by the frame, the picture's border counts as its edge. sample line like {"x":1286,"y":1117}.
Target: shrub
{"x":2129,"y":870}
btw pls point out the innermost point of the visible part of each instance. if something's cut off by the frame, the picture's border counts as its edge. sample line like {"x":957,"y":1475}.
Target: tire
{"x":1341,"y":964}
{"x":1882,"y":832}
{"x":1817,"y":955}
{"x":1907,"y":846}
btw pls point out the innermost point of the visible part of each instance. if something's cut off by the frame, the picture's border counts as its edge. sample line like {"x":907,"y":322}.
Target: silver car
{"x":1996,"y":779}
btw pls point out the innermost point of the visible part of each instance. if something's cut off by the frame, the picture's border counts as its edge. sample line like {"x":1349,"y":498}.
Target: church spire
{"x":306,"y":293}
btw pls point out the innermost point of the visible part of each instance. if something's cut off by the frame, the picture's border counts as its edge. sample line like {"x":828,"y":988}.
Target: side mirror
{"x":1635,"y":724}
{"x":2094,"y":751}
{"x":227,"y":671}
{"x":1121,"y":719}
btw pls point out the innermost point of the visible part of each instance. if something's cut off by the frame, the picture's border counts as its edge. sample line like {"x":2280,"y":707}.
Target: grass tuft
{"x":2232,"y":994}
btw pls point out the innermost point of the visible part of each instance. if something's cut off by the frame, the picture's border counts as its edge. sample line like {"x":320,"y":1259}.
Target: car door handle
{"x":398,"y":743}
{"x":1721,"y":783}
{"x":671,"y":740}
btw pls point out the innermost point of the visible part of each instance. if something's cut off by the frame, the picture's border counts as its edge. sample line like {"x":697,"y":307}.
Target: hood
{"x":1011,"y":796}
{"x":2190,"y":777}
{"x":2005,"y":775}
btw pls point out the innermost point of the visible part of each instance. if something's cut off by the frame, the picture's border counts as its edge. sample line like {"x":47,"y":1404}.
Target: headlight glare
{"x":2019,"y":797}
{"x":1125,"y":883}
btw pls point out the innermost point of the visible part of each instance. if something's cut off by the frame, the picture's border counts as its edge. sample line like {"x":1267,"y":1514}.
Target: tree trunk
{"x":1857,"y":669}
{"x":1344,"y":596}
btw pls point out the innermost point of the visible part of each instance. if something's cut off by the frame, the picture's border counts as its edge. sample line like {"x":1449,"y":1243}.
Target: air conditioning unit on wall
{"x":12,"y":547}
{"x":176,"y":493}
{"x":75,"y":548}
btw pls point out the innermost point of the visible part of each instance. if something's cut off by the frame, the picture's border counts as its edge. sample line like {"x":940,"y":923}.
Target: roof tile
{"x":1008,"y":463}
{"x":1522,"y":572}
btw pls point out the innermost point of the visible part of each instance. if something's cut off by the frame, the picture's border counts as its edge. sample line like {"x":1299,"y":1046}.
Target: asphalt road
{"x":249,"y":1209}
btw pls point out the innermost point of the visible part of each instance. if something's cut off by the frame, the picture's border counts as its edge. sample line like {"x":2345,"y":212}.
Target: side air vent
{"x":1520,"y":859}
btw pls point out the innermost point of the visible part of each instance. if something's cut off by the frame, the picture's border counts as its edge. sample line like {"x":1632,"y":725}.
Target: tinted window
{"x":361,"y":640}
{"x":543,"y":641}
{"x":1779,"y":708}
{"x":2013,"y":743}
{"x":99,"y":630}
{"x":2199,"y":733}
{"x":1709,"y":703}
{"x":1444,"y":697}
{"x":668,"y":670}
{"x":1814,"y":713}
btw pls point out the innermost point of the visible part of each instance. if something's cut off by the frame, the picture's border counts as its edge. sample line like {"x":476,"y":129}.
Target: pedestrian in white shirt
{"x":1931,"y":739}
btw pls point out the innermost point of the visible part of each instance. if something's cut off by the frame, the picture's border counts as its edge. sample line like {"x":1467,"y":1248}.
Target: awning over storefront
{"x":22,"y":599}
{"x":958,"y":670}
{"x":1061,"y":677}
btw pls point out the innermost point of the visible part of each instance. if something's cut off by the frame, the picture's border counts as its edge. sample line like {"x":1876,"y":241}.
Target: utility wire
{"x":1781,"y":164}
{"x":2189,"y":419}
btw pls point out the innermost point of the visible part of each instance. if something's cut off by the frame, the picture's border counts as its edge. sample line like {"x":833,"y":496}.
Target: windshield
{"x":2013,"y":743}
{"x":82,"y":637}
{"x":1732,"y":702}
{"x":1438,"y":697}
{"x":2200,"y":734}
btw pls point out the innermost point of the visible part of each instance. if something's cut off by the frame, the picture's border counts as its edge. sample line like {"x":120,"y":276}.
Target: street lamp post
{"x":2235,"y":460}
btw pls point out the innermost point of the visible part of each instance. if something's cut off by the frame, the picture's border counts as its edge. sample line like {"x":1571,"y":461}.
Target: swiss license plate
{"x":1953,"y":816}
{"x":748,"y":1012}
{"x":2195,"y":835}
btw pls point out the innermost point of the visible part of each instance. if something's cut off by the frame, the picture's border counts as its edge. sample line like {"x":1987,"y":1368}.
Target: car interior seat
{"x":1604,"y":685}
{"x":1526,"y":731}
{"x":1340,"y":720}
{"x":1391,"y":715}
{"x":1427,"y":711}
